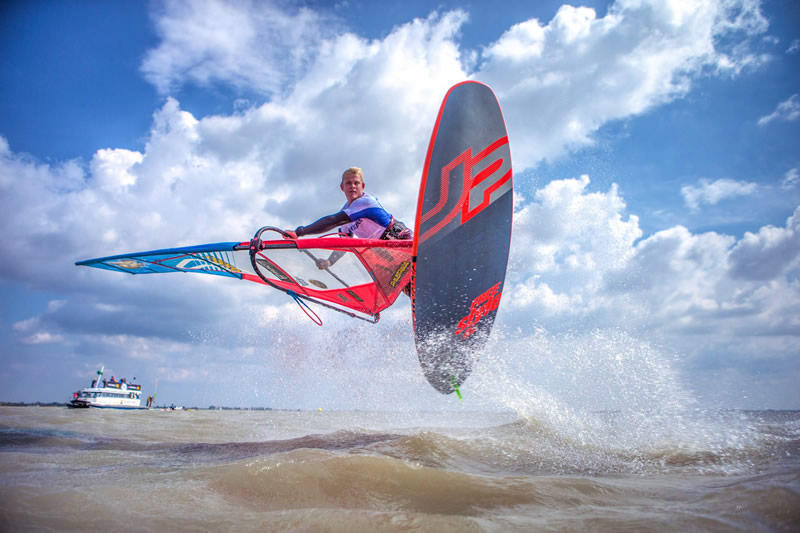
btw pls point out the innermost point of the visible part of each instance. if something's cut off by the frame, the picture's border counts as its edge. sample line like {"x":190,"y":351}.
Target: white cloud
{"x":791,"y":179}
{"x":26,"y":325}
{"x":34,"y":329}
{"x":770,"y":252}
{"x":794,"y":47}
{"x":32,"y":332}
{"x":55,"y":305}
{"x":111,"y":168}
{"x":582,"y":264}
{"x":247,"y":44}
{"x":789,"y":109}
{"x":139,"y":347}
{"x":560,"y":82}
{"x":672,"y":276}
{"x":186,"y":375}
{"x":43,"y":337}
{"x":573,"y":236}
{"x":108,"y":308}
{"x":712,"y":192}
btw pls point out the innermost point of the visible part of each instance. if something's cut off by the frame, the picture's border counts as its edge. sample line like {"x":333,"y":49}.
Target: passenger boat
{"x":108,"y":394}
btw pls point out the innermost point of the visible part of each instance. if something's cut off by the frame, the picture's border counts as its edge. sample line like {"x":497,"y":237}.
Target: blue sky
{"x":656,"y":169}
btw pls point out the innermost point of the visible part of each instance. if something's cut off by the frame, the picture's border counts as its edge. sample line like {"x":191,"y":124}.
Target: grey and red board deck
{"x":462,"y":234}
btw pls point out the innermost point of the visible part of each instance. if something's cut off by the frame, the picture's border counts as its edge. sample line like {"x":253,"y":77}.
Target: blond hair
{"x":356,"y":171}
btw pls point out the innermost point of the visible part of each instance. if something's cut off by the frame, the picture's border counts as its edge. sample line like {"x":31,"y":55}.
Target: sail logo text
{"x":399,"y":273}
{"x":201,"y":262}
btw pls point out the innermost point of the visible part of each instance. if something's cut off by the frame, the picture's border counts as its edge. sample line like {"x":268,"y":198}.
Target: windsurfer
{"x":361,"y":216}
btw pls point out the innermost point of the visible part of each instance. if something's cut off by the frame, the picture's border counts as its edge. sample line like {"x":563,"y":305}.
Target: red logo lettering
{"x":480,"y":307}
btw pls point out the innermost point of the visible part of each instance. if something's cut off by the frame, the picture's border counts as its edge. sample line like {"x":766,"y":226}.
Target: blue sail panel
{"x":217,"y":258}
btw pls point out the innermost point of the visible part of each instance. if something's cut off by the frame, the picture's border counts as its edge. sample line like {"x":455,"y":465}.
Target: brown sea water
{"x":93,"y":470}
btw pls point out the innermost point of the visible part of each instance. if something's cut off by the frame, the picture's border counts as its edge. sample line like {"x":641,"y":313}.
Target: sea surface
{"x":105,"y":470}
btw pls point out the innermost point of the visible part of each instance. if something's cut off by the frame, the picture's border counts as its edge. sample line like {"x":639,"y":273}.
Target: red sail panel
{"x":362,"y":275}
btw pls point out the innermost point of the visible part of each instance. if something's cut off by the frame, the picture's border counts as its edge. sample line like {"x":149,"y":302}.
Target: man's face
{"x":352,"y":186}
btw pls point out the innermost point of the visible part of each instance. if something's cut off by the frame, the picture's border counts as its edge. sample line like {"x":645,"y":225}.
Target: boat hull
{"x":84,"y":405}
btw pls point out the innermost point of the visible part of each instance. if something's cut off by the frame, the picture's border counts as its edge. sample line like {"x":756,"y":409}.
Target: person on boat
{"x":361,"y":216}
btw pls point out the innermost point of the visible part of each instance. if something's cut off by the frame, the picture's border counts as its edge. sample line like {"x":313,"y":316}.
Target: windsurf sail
{"x":366,"y":275}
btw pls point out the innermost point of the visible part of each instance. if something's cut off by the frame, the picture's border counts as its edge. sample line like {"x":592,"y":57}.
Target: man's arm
{"x":324,"y":224}
{"x":322,"y":264}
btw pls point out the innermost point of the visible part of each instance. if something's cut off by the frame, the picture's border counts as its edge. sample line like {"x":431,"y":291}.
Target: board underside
{"x":462,"y":234}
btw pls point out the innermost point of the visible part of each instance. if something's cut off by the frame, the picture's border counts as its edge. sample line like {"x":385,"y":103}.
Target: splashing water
{"x":600,"y":400}
{"x":609,"y":399}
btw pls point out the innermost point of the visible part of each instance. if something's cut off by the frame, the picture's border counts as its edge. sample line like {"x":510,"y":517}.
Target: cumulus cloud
{"x":34,"y":330}
{"x":791,"y":179}
{"x":561,"y":81}
{"x":673,"y":276}
{"x":712,"y":192}
{"x":43,"y":337}
{"x":248,"y":44}
{"x":572,"y":235}
{"x":578,"y":260}
{"x":794,"y":47}
{"x":789,"y":109}
{"x":764,"y":255}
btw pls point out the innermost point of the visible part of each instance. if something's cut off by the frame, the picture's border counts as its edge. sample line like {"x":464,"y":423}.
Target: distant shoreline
{"x":209,"y":408}
{"x":223,"y":408}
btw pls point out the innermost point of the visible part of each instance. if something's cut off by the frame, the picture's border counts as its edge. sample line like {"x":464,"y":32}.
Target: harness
{"x":396,"y":231}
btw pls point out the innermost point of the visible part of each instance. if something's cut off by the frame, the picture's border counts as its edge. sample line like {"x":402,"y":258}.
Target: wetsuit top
{"x":369,"y":218}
